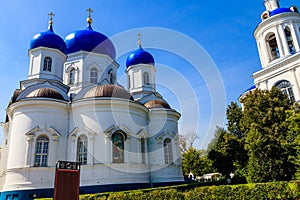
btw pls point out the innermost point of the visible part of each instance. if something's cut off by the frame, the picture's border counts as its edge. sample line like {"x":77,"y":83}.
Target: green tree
{"x":266,"y":131}
{"x":196,"y":161}
{"x":223,"y":151}
{"x":234,"y":116}
{"x":293,"y":139}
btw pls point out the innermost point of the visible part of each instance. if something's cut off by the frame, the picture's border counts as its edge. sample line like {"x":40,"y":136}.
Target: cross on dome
{"x":139,"y":39}
{"x":89,"y":19}
{"x":51,"y":14}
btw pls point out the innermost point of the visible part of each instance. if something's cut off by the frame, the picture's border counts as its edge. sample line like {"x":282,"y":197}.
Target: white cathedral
{"x":72,"y":108}
{"x":278,"y":42}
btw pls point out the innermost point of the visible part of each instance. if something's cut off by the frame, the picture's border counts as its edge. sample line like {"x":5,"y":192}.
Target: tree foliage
{"x":224,"y":151}
{"x":262,"y":141}
{"x":197,"y":162}
{"x":266,"y":131}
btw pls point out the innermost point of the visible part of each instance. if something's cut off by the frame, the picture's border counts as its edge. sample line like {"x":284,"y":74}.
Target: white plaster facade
{"x":51,"y":106}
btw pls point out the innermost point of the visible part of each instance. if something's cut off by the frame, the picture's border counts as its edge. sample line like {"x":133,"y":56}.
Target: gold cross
{"x":139,"y":39}
{"x":51,"y":14}
{"x":89,"y":11}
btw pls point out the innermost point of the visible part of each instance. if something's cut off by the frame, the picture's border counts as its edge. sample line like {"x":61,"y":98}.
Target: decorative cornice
{"x":74,"y":132}
{"x":165,"y":134}
{"x":276,"y":66}
{"x":275,"y":18}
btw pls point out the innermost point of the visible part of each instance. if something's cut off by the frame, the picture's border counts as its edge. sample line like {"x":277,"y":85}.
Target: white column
{"x":30,"y":153}
{"x":282,"y":41}
{"x":90,"y":159}
{"x":52,"y":161}
{"x":295,"y":36}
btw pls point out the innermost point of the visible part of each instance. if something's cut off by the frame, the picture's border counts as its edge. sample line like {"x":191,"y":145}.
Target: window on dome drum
{"x":143,"y":150}
{"x":111,"y":76}
{"x":273,"y":47}
{"x":82,"y":147}
{"x":72,"y":76}
{"x":146,"y":78}
{"x":168,"y":151}
{"x":118,"y":148}
{"x":289,"y":39}
{"x":94,"y":76}
{"x":41,"y":152}
{"x":47,"y":64}
{"x":286,"y":88}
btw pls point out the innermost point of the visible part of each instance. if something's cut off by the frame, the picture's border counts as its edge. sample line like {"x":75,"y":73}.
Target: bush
{"x":272,"y":190}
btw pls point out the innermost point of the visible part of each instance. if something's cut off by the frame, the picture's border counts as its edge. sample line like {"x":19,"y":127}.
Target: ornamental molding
{"x":114,"y":128}
{"x":276,"y":66}
{"x":165,"y":134}
{"x":54,"y":132}
{"x":31,"y":134}
{"x":74,"y":132}
{"x":275,"y":18}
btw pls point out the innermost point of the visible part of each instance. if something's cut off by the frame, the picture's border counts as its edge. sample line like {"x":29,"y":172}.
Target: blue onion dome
{"x":48,"y":39}
{"x":139,"y":56}
{"x":89,"y":40}
{"x":279,"y":11}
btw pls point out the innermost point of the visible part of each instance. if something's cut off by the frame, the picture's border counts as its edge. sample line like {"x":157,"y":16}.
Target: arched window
{"x":289,"y":39}
{"x":273,"y":47}
{"x":118,"y":148}
{"x":146,"y":78}
{"x":286,"y":88}
{"x":72,"y":76}
{"x":82,"y":147}
{"x":47,"y":64}
{"x":143,"y":150}
{"x":94,"y":76}
{"x":168,"y":151}
{"x":41,"y":152}
{"x":111,"y":76}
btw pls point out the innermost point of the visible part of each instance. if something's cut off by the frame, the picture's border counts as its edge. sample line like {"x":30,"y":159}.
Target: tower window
{"x":168,"y":151}
{"x":47,"y":64}
{"x":111,"y":76}
{"x":289,"y":40}
{"x":41,"y":152}
{"x":143,"y":150}
{"x":273,"y":47}
{"x":286,"y":88}
{"x":118,"y":148}
{"x":72,"y":76}
{"x":82,"y":145}
{"x":94,"y":76}
{"x":146,"y":78}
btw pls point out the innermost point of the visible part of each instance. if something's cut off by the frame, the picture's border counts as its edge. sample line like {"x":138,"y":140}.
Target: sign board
{"x":67,"y":180}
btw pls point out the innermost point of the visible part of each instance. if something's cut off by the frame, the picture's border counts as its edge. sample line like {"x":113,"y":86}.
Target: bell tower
{"x":278,"y":42}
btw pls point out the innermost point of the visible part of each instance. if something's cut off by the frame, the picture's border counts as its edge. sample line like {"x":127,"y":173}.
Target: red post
{"x":67,"y":180}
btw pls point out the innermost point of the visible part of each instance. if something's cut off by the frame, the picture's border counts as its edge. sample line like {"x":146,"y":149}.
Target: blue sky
{"x":223,"y":28}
